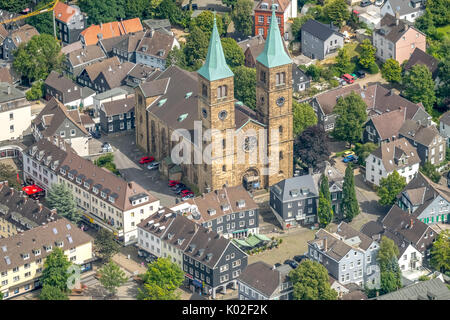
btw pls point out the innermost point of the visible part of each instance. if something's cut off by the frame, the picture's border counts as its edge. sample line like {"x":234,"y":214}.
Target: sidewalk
{"x":128,"y":264}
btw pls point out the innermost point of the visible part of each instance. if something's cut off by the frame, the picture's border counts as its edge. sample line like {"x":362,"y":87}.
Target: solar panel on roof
{"x":8,"y":261}
{"x":55,"y":231}
{"x":4,"y":249}
{"x":68,"y":226}
{"x":70,"y":239}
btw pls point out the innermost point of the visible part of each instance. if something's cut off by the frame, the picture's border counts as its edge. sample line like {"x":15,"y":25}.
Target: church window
{"x":224,"y":168}
{"x":280,"y":78}
{"x":204,"y":90}
{"x":222,"y":92}
{"x":281,"y":155}
{"x":140,"y":99}
{"x":262,"y":76}
{"x":280,"y":129}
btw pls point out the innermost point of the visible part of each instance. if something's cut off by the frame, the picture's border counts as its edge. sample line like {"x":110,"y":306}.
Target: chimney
{"x":40,"y":207}
{"x":12,"y":190}
{"x":411,"y":223}
{"x":101,"y":26}
{"x":310,"y":171}
{"x":152,"y":31}
{"x":325,"y":244}
{"x":9,"y":90}
{"x":195,"y":228}
{"x":52,"y":212}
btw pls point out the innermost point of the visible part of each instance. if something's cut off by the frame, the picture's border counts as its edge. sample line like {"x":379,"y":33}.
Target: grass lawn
{"x":353,"y":49}
{"x":445,"y":30}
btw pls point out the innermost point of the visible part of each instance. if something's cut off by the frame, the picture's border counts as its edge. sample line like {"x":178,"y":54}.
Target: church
{"x":175,"y":110}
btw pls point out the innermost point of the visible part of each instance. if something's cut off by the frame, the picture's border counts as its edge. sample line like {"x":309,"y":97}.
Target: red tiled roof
{"x":110,"y":30}
{"x":63,"y":12}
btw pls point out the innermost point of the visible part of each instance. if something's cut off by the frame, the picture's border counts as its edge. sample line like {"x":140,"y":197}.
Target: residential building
{"x":434,"y":289}
{"x":260,"y":281}
{"x":23,"y":255}
{"x":5,"y":75}
{"x":230,"y":212}
{"x":15,"y":112}
{"x":107,"y":201}
{"x":3,"y":34}
{"x":67,"y":92}
{"x":294,"y":201}
{"x":336,"y":183}
{"x":212,"y":262}
{"x":117,"y":115}
{"x":320,"y":40}
{"x":421,"y":57}
{"x":252,"y":48}
{"x":301,"y":81}
{"x":175,"y":99}
{"x":371,"y":18}
{"x":16,"y":38}
{"x":444,"y":127}
{"x":125,"y":48}
{"x":55,"y":120}
{"x":154,"y":47}
{"x":427,"y":201}
{"x":92,"y":34}
{"x":396,"y":39}
{"x":408,"y":10}
{"x":77,"y":60}
{"x":384,"y":127}
{"x":430,"y":144}
{"x":348,"y":255}
{"x":152,"y":230}
{"x":284,"y":10}
{"x":70,"y":21}
{"x":19,"y":213}
{"x":139,"y":74}
{"x":377,"y":98}
{"x":398,"y":155}
{"x":108,"y":96}
{"x":157,"y":24}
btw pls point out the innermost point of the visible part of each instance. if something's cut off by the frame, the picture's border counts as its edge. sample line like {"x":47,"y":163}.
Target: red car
{"x":348,"y":78}
{"x":146,"y":160}
{"x":185,"y":191}
{"x":173,"y":183}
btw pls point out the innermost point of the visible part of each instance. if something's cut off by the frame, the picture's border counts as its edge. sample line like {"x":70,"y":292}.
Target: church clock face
{"x":223,"y":115}
{"x":250,"y":144}
{"x":280,"y":101}
{"x":204,"y":113}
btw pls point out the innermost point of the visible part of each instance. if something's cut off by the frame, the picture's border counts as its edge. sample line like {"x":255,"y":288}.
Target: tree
{"x":391,"y":71}
{"x":325,"y":212}
{"x":343,"y":63}
{"x":100,"y":11}
{"x":364,"y":150}
{"x":112,"y":277}
{"x":8,"y":173}
{"x":49,"y":292}
{"x":233,"y":53}
{"x":390,"y":187}
{"x":297,"y":24}
{"x":312,"y":147}
{"x":168,"y":9}
{"x":311,"y":282}
{"x":304,"y":116}
{"x":351,"y":115}
{"x":419,"y":86}
{"x":105,"y":245}
{"x":229,"y":3}
{"x":205,"y":21}
{"x":245,"y":85}
{"x":196,"y":47}
{"x":55,"y":273}
{"x":336,"y":11}
{"x":60,"y":197}
{"x":367,"y":56}
{"x":440,"y":12}
{"x":42,"y":22}
{"x":107,"y":161}
{"x":36,"y":92}
{"x":387,"y":260}
{"x":242,"y":17}
{"x":440,"y":252}
{"x":314,"y":72}
{"x":350,"y":206}
{"x":161,"y":280}
{"x":176,"y":57}
{"x":15,"y":6}
{"x":35,"y":59}
{"x":430,"y":171}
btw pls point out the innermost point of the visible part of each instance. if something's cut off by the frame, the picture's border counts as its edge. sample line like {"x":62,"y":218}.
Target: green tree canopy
{"x":168,"y":9}
{"x":42,"y":22}
{"x":55,"y":272}
{"x":336,"y":11}
{"x":60,"y":197}
{"x":297,"y":24}
{"x":314,"y":72}
{"x":229,"y":3}
{"x":100,"y":11}
{"x":15,"y":6}
{"x":387,"y":258}
{"x":112,"y":277}
{"x":390,"y":187}
{"x":440,"y":252}
{"x":388,"y":251}
{"x":176,"y":57}
{"x":245,"y":85}
{"x":105,"y":245}
{"x":343,"y":63}
{"x":419,"y":86}
{"x":242,"y":17}
{"x":351,"y":111}
{"x":196,"y":47}
{"x":311,"y":282}
{"x":36,"y":92}
{"x":161,"y":280}
{"x":391,"y":71}
{"x":233,"y":53}
{"x":49,"y":292}
{"x":325,"y":211}
{"x":350,"y":206}
{"x":430,"y":171}
{"x":35,"y":59}
{"x":205,"y":21}
{"x":304,"y":116}
{"x":364,"y":150}
{"x":367,"y":56}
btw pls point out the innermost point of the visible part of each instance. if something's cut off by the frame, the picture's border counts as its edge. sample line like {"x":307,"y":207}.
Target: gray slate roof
{"x":418,"y":132}
{"x":296,"y":188}
{"x":433,"y":289}
{"x":402,"y":6}
{"x":261,"y":277}
{"x":318,"y":29}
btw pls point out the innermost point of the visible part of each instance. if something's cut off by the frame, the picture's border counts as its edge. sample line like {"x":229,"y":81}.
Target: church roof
{"x":215,"y":67}
{"x":274,"y":54}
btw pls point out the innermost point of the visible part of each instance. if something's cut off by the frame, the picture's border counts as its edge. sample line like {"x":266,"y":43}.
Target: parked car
{"x":354,"y":75}
{"x":300,"y":258}
{"x":96,"y":134}
{"x":348,"y":152}
{"x":106,"y":147}
{"x":276,"y":265}
{"x":350,"y":158}
{"x":342,"y":82}
{"x":379,"y":3}
{"x":188,"y":196}
{"x":365,"y":3}
{"x":361,"y":74}
{"x":153,"y":166}
{"x":151,"y":258}
{"x":179,"y":186}
{"x":146,"y":160}
{"x":173,"y":183}
{"x":292,"y":263}
{"x":448,"y":179}
{"x":182,"y":191}
{"x":348,"y":78}
{"x":142,"y":253}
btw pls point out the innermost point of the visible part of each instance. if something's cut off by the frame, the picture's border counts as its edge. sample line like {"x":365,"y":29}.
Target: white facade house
{"x":444,"y":127}
{"x":152,"y":230}
{"x":408,"y":10}
{"x":370,"y":18}
{"x":398,"y":155}
{"x":108,"y":96}
{"x":410,"y":259}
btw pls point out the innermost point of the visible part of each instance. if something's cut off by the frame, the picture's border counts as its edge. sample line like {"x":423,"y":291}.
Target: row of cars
{"x":152,"y":164}
{"x":366,"y":3}
{"x":351,"y":77}
{"x":181,"y":189}
{"x":293,"y":263}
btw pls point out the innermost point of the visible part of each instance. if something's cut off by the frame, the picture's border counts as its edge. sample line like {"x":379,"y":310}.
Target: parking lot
{"x":126,"y":158}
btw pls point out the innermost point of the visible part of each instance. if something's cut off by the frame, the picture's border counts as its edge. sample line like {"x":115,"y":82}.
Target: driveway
{"x":126,"y":158}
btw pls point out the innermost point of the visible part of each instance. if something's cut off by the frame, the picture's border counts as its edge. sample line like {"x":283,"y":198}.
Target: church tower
{"x":274,"y":103}
{"x":216,"y":110}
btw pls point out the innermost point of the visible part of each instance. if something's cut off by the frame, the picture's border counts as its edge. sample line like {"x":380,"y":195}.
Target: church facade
{"x":221,"y":142}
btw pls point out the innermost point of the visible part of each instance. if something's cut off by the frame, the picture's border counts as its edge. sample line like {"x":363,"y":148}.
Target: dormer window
{"x":59,"y":244}
{"x":111,"y":199}
{"x":211,"y":212}
{"x":70,"y":176}
{"x":225,"y":207}
{"x":25,"y":256}
{"x":37,"y":252}
{"x":95,"y":190}
{"x":241,"y":204}
{"x":48,"y":248}
{"x":86,"y":184}
{"x":103,"y":194}
{"x":78,"y":180}
{"x":63,"y":172}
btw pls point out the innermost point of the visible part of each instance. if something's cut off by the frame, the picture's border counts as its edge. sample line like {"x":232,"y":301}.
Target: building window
{"x":280,"y":78}
{"x":261,"y":19}
{"x":11,"y":128}
{"x":204,"y":90}
{"x":222,"y":92}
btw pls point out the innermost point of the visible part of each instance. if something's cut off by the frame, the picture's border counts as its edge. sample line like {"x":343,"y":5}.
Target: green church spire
{"x":215,"y":66}
{"x":274,"y":54}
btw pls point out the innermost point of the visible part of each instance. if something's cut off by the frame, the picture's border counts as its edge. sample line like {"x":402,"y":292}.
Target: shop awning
{"x":262,"y":237}
{"x":29,"y":190}
{"x":253,"y":241}
{"x":241,"y":243}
